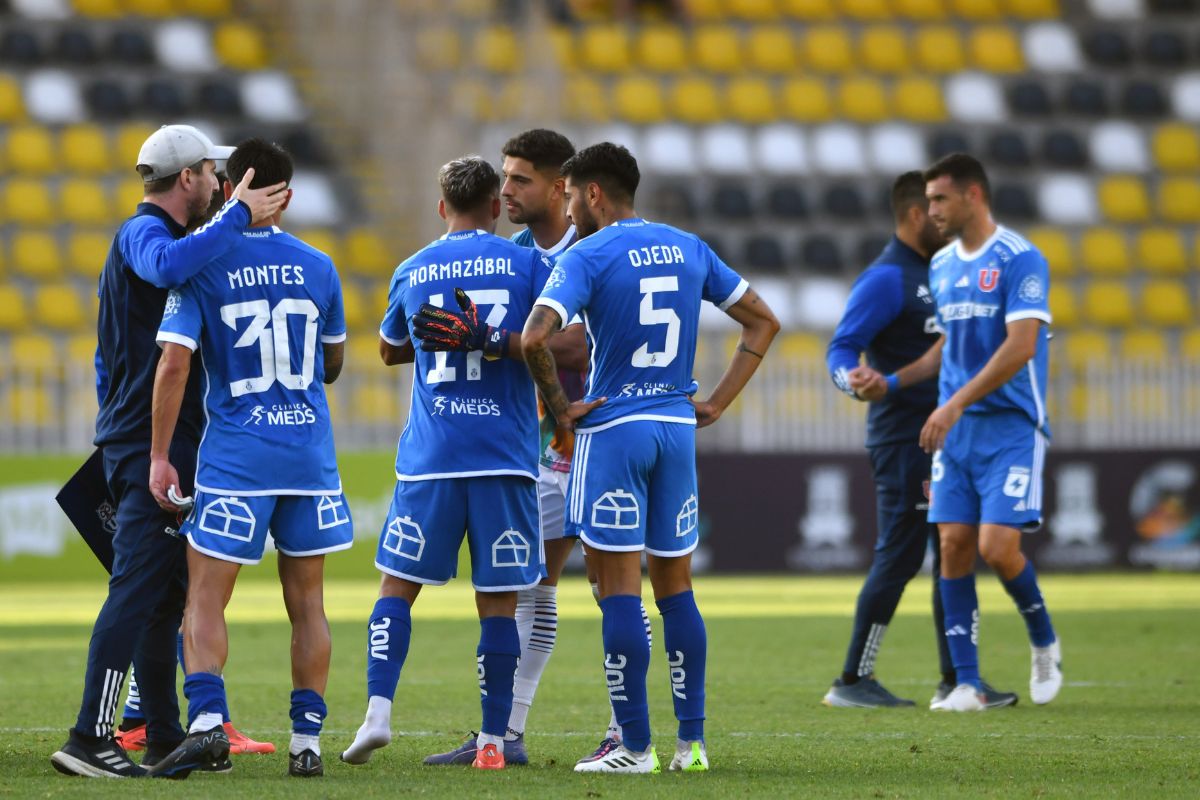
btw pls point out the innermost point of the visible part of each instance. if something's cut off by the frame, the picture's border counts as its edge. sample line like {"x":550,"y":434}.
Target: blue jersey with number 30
{"x":638,"y":286}
{"x":259,"y":316}
{"x":469,"y":416}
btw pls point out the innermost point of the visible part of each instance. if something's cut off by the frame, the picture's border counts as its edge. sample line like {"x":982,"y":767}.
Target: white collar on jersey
{"x":963,"y":255}
{"x":560,"y":246}
{"x":478,"y":231}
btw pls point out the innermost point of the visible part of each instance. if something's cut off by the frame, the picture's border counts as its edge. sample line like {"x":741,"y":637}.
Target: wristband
{"x":495,"y":343}
{"x":893,"y":382}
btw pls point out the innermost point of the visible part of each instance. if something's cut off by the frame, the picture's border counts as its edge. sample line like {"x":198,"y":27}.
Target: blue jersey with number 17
{"x":638,"y":286}
{"x":469,"y":416}
{"x":259,"y":316}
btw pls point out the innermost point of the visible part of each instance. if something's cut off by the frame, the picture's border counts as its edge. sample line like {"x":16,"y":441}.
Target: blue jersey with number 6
{"x":469,"y":416}
{"x":259,"y":316}
{"x":638,"y":286}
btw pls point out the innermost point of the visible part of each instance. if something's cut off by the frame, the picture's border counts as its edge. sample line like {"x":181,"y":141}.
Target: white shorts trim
{"x":220,"y":556}
{"x":612,"y":548}
{"x":673,"y":553}
{"x":482,"y":473}
{"x":397,"y":574}
{"x":266,"y":492}
{"x":320,"y":551}
{"x":636,"y":418}
{"x":491,"y":589}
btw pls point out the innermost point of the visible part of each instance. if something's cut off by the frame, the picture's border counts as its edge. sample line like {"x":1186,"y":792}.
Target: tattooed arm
{"x":759,"y":327}
{"x":535,"y":341}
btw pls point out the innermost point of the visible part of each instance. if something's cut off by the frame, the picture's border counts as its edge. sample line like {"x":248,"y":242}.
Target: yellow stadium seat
{"x":920,"y":10}
{"x":439,"y":48}
{"x":151,"y":8}
{"x":707,"y":10}
{"x":828,"y":49}
{"x":870,"y":10}
{"x":497,"y":49}
{"x":213,"y":9}
{"x":884,"y":48}
{"x":355,"y":307}
{"x":975,"y":9}
{"x":994,"y":48}
{"x":1123,"y":198}
{"x":939,"y":49}
{"x":1056,"y":247}
{"x":35,"y":254}
{"x":1084,"y":347}
{"x":240,"y":45}
{"x":12,"y":106}
{"x":771,"y":49}
{"x":562,"y":45}
{"x":751,"y":100}
{"x":30,"y":149}
{"x":863,"y":99}
{"x":126,"y":196}
{"x":1166,"y":304}
{"x":58,"y":307}
{"x":1143,"y":346}
{"x":753,"y":10}
{"x":1107,"y":303}
{"x":809,"y":10}
{"x":81,"y":350}
{"x":718,"y":49}
{"x":366,"y":253}
{"x":33,"y":353}
{"x":1032,"y":9}
{"x":639,"y":99}
{"x":662,"y":48}
{"x":1063,"y":307}
{"x":919,"y":99}
{"x":363,"y":350}
{"x":324,"y":240}
{"x":1104,"y":251}
{"x":1161,"y":250}
{"x":1179,"y":199}
{"x":1090,"y":403}
{"x":85,"y":201}
{"x":27,"y":405}
{"x":472,"y":9}
{"x":584,"y":100}
{"x":1189,"y":344}
{"x":14,"y":315}
{"x":98,"y":8}
{"x":29,"y":201}
{"x":605,"y":48}
{"x":1177,"y":147}
{"x":801,"y":347}
{"x":85,"y":149}
{"x":694,"y":100}
{"x":807,"y":100}
{"x":375,"y":403}
{"x":87,"y":251}
{"x":130,"y":139}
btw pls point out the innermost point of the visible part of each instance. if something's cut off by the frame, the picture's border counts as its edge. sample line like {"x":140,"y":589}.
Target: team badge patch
{"x":1031,"y":290}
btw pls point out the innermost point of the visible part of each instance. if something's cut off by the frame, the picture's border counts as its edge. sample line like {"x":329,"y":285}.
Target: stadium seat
{"x":271,"y":97}
{"x":1108,"y":47}
{"x":1119,"y":146}
{"x":869,"y":246}
{"x":947,"y":141}
{"x":306,"y":148}
{"x":1007,"y":148}
{"x":366,"y":254}
{"x":27,"y":406}
{"x":129,"y":141}
{"x":828,"y":49}
{"x":1117,"y":9}
{"x":764,"y":252}
{"x":782,"y":150}
{"x":219,"y":96}
{"x":85,"y":201}
{"x":1012,"y":201}
{"x":1189,"y":345}
{"x":1051,"y":47}
{"x":355,"y":308}
{"x":668,"y":150}
{"x":673,"y":202}
{"x":374,"y":403}
{"x":127,"y":193}
{"x":87,"y":251}
{"x":638,"y":99}
{"x":717,"y":49}
{"x":862,"y":99}
{"x":1107,"y":303}
{"x":731,"y":201}
{"x":1063,"y":149}
{"x":324,"y":240}
{"x":994,"y":48}
{"x":1143,"y":99}
{"x":809,"y":10}
{"x":752,"y":10}
{"x":30,"y":149}
{"x":57,"y":306}
{"x":895,"y":148}
{"x":28,"y":201}
{"x":583,"y":100}
{"x":12,"y":107}
{"x":162,"y":99}
{"x":240,"y":46}
{"x":1179,"y":200}
{"x":1176,"y":148}
{"x":838,"y":149}
{"x":751,"y":100}
{"x":725,"y":150}
{"x":1104,"y":251}
{"x":1085,"y":346}
{"x":1029,"y":98}
{"x":1067,"y":199}
{"x":843,"y":201}
{"x":1063,"y":307}
{"x":131,"y":46}
{"x":1185,"y":96}
{"x":1161,"y":250}
{"x":14,"y":314}
{"x":821,"y":254}
{"x":1086,"y":98}
{"x":1165,"y":49}
{"x":694,"y":100}
{"x":1055,"y":246}
{"x":785,"y":201}
{"x":80,"y":352}
{"x":213,"y":9}
{"x":151,"y":8}
{"x":185,"y":45}
{"x":866,"y":10}
{"x":662,"y":48}
{"x":975,"y":97}
{"x":19,"y":46}
{"x":108,"y":100}
{"x":362,"y":351}
{"x":1143,"y":346}
{"x":884,"y":49}
{"x":75,"y":46}
{"x":976,"y":9}
{"x":918,"y":99}
{"x":807,"y":100}
{"x":771,"y":49}
{"x":33,"y":354}
{"x":438,"y":49}
{"x":1123,"y":198}
{"x":939,"y":49}
{"x":1166,"y":304}
{"x":497,"y":49}
{"x":35,"y":254}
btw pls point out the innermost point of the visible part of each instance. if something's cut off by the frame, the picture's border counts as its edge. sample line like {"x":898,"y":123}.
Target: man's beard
{"x":197,"y":217}
{"x":585,"y":225}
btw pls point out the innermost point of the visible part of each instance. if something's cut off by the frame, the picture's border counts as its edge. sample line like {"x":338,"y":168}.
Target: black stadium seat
{"x":219,"y":97}
{"x":1087,"y":98}
{"x":1165,"y":49}
{"x":764,"y":252}
{"x":1008,"y":149}
{"x":1108,"y":47}
{"x":844,"y":202}
{"x":1174,"y":6}
{"x":18,"y":46}
{"x":786,"y":201}
{"x":671,"y":201}
{"x":162,"y":97}
{"x":943,"y":143}
{"x":132,"y":47}
{"x":820,"y":253}
{"x":869,"y":246}
{"x":1029,"y":98}
{"x":107,"y":99}
{"x":1063,"y":149}
{"x":731,"y":201}
{"x":1012,"y":201}
{"x":75,"y":46}
{"x":1143,"y":99}
{"x":717,"y":244}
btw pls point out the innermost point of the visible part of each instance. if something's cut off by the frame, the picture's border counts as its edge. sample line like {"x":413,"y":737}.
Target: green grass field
{"x":1127,"y":723}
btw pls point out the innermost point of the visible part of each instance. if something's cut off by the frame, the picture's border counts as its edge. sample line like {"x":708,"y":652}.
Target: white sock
{"x":374,"y":733}
{"x":305,"y":741}
{"x":205,"y":722}
{"x":484,"y":739}
{"x":535,"y":651}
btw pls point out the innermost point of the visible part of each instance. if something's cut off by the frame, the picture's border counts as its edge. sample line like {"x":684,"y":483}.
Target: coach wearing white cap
{"x":149,"y":256}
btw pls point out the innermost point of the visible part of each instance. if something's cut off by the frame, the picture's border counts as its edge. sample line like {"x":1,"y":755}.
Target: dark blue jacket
{"x":890,"y":316}
{"x":149,"y":255}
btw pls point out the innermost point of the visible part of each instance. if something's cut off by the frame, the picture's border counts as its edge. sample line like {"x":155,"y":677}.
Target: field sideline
{"x":1126,"y":725}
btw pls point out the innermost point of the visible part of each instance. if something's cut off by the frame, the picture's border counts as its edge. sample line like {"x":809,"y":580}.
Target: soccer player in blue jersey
{"x":267,"y":318}
{"x":638,"y":286}
{"x":466,"y":459}
{"x":890,"y":316}
{"x":989,"y":432}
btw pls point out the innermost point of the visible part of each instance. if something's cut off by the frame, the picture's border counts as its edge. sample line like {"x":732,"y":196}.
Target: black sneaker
{"x":305,"y":764}
{"x":992,"y":697}
{"x":865,"y":693}
{"x":95,"y":758}
{"x":197,"y":751}
{"x":156,"y":753}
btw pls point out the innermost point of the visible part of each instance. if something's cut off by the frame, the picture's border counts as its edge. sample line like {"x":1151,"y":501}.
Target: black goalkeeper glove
{"x":443,"y":329}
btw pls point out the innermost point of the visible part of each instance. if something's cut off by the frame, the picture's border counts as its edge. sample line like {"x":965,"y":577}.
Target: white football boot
{"x":965,"y":697}
{"x":689,"y":757}
{"x":622,"y":759}
{"x":1045,"y":676}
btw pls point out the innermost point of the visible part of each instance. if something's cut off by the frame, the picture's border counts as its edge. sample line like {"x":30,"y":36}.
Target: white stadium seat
{"x":271,"y":97}
{"x":819,"y":302}
{"x":1051,"y":47}
{"x":669,"y":150}
{"x":838,"y":150}
{"x":975,"y":97}
{"x":1185,"y":96}
{"x":52,"y":96}
{"x":185,"y":46}
{"x":1119,"y":147}
{"x":1117,"y":9}
{"x":725,"y":150}
{"x":1067,"y":199}
{"x":781,"y":150}
{"x":42,"y":9}
{"x":314,"y":201}
{"x":896,"y":148}
{"x":618,"y":133}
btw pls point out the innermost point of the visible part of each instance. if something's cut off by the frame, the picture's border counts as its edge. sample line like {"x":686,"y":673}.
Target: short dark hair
{"x":545,"y":149}
{"x":608,"y":164}
{"x":908,"y":190}
{"x":468,"y":183}
{"x":167,"y":182}
{"x":963,"y":170}
{"x":272,"y":164}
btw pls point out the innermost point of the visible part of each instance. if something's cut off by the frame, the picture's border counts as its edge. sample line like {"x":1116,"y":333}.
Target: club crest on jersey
{"x":989,"y":277}
{"x":173,"y":304}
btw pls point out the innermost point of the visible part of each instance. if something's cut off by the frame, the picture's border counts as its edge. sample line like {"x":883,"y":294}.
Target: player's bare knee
{"x":495,"y":604}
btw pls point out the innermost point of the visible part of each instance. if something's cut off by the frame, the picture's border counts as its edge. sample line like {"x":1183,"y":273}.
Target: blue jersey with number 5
{"x":638,"y":286}
{"x":259,"y":316}
{"x":469,"y":416}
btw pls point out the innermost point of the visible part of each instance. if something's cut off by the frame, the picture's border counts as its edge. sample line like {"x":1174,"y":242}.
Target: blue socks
{"x":224,"y":710}
{"x":308,"y":712}
{"x":388,"y":635}
{"x":499,"y":649}
{"x":205,"y":693}
{"x":1024,"y":591}
{"x":687,"y":650}
{"x":962,"y":626}
{"x":626,"y":661}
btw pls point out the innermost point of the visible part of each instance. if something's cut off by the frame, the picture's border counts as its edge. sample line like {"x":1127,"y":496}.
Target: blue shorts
{"x":427,"y":520}
{"x":989,"y":472}
{"x":633,"y":487}
{"x":235,"y":528}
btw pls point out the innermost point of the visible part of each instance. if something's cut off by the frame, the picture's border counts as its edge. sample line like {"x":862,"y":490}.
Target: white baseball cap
{"x":171,"y":148}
